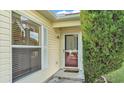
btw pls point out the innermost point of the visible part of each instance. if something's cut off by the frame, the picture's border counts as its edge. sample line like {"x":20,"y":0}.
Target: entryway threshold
{"x":67,"y":77}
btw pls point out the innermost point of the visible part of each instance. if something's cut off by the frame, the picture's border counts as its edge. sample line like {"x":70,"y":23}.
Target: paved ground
{"x":67,"y":77}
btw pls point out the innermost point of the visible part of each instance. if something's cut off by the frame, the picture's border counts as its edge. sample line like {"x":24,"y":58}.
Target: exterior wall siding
{"x":54,"y":47}
{"x":5,"y":47}
{"x":6,"y":52}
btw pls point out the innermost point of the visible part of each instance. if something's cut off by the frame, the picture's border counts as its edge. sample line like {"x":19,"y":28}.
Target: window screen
{"x":25,"y":61}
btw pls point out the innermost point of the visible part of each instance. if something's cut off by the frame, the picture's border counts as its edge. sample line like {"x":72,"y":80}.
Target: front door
{"x":71,"y":50}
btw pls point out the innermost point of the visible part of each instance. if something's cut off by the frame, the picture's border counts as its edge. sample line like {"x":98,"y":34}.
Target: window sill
{"x":25,"y":46}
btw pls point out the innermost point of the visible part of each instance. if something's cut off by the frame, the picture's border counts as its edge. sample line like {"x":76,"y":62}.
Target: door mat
{"x":72,"y":71}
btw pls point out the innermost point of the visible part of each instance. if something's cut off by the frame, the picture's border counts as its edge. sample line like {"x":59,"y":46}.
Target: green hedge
{"x":103,"y":42}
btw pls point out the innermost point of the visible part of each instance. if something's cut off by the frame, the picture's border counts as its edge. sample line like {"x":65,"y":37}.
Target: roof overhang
{"x":52,"y":17}
{"x":66,"y":24}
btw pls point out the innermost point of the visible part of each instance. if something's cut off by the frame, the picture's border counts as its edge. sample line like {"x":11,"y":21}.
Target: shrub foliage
{"x":103,"y":42}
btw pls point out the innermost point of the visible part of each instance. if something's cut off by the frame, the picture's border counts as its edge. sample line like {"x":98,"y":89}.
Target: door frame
{"x":80,"y":65}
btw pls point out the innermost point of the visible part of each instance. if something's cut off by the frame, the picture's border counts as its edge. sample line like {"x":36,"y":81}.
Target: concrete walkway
{"x":67,"y":77}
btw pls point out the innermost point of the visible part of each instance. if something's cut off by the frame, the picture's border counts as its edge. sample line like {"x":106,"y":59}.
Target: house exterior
{"x":35,"y":44}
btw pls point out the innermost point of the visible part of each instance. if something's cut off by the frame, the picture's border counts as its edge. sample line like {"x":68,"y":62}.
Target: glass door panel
{"x":71,"y":50}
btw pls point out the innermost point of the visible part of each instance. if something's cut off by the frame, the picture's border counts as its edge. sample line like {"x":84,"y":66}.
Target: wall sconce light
{"x":58,"y":36}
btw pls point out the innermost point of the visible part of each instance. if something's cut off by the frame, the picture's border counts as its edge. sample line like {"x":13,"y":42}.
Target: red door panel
{"x":71,"y":59}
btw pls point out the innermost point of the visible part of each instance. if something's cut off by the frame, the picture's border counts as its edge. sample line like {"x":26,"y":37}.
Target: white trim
{"x":44,"y":61}
{"x":25,"y":46}
{"x":42,"y":53}
{"x":11,"y":45}
{"x":80,"y":47}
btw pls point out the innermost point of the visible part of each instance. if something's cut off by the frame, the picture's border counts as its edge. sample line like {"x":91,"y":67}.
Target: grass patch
{"x":116,"y":76}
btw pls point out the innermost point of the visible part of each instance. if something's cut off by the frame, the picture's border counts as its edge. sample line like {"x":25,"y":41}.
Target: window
{"x":45,"y":47}
{"x":24,"y":31}
{"x":26,"y":49}
{"x":71,"y":42}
